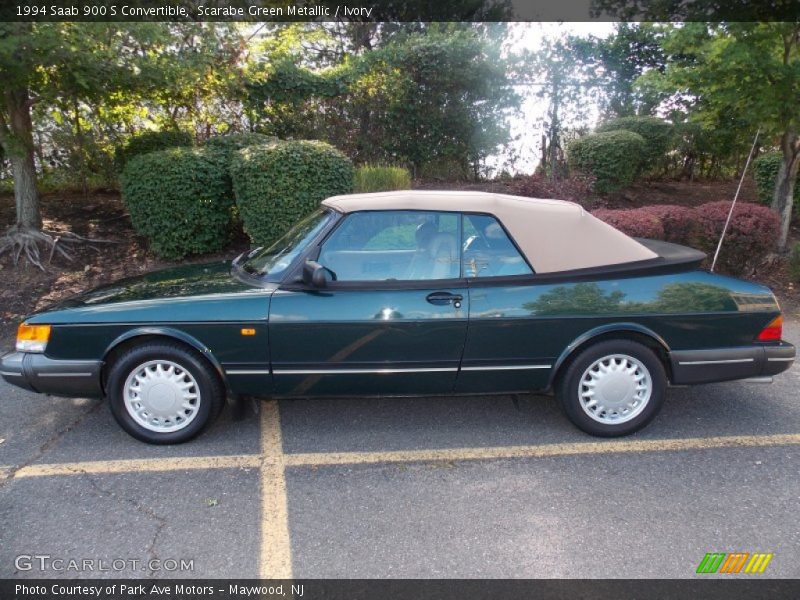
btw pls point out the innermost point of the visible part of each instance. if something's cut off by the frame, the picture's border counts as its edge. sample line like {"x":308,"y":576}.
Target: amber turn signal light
{"x":248,"y":331}
{"x":32,"y":338}
{"x":772,"y":332}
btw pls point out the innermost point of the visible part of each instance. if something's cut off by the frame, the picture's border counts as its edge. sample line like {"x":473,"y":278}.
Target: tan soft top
{"x":554,"y":235}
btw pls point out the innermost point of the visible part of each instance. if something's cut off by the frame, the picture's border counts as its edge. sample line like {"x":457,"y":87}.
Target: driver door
{"x":393,"y":322}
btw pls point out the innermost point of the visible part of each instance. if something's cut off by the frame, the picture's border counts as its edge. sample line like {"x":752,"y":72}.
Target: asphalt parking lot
{"x":430,"y":487}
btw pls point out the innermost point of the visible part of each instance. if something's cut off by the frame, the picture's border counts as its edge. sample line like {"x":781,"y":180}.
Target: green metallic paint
{"x":365,"y":329}
{"x":517,"y":322}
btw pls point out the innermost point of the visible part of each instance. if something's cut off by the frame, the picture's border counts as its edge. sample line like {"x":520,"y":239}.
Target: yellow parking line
{"x":147,"y":465}
{"x":276,"y":554}
{"x":539,"y":451}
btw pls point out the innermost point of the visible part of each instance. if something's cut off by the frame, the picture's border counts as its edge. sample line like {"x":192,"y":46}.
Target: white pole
{"x":733,"y":204}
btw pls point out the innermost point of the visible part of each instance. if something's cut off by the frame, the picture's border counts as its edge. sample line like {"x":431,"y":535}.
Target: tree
{"x":617,"y":61}
{"x":416,"y":95}
{"x":568,"y":86}
{"x":750,"y":72}
{"x":69,"y":66}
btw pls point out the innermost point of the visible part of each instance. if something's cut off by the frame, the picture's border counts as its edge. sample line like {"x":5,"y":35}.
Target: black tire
{"x":570,"y":387}
{"x":211,"y":395}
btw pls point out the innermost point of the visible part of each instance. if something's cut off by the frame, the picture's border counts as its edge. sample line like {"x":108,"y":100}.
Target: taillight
{"x":772,"y":332}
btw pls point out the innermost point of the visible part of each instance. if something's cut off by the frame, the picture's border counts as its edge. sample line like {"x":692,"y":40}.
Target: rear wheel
{"x":613,"y":388}
{"x":163,"y":393}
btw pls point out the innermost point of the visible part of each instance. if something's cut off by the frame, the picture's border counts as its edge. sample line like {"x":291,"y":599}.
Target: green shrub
{"x":180,"y":199}
{"x":150,"y":141}
{"x":656,"y":132}
{"x":236,"y":141}
{"x":373,"y":178}
{"x":278,"y":184}
{"x":613,"y":158}
{"x":765,"y":172}
{"x":794,"y":263}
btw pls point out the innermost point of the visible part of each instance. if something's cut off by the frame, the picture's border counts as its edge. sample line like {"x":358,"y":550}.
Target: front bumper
{"x":727,"y":364}
{"x":37,"y":373}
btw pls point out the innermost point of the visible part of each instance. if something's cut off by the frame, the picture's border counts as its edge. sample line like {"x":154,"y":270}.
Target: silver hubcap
{"x":161,"y":396}
{"x":615,"y":389}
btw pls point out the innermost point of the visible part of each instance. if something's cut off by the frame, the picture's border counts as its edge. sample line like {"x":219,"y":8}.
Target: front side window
{"x":400,"y":245}
{"x":488,"y":251}
{"x":273,"y":260}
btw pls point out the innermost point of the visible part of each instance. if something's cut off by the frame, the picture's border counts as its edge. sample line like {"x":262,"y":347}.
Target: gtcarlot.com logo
{"x":734,"y":562}
{"x":46,"y":562}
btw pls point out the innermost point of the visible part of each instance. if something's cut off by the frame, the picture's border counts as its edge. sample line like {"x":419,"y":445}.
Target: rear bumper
{"x":37,"y":373}
{"x":727,"y":364}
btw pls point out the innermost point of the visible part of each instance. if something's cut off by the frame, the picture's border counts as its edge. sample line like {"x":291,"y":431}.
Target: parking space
{"x":430,"y":487}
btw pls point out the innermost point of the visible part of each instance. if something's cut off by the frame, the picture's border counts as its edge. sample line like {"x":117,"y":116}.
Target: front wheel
{"x":163,"y":393}
{"x":613,"y":388}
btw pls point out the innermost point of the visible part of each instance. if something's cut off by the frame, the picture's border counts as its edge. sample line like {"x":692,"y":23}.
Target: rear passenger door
{"x":393,"y":322}
{"x":503,"y":352}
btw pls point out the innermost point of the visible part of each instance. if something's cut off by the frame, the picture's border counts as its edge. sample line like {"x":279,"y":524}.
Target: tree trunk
{"x":17,"y":138}
{"x":783,"y":196}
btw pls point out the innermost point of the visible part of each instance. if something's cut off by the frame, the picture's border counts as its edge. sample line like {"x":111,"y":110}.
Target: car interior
{"x":415,"y":245}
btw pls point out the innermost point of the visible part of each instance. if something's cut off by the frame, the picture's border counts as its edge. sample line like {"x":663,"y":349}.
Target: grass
{"x":377,"y":178}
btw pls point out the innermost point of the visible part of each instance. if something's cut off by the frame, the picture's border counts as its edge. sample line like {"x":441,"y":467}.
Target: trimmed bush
{"x":278,"y":184}
{"x":180,"y":199}
{"x":150,"y":141}
{"x":656,"y":133}
{"x":636,"y":222}
{"x":374,"y":178}
{"x":612,"y":157}
{"x":236,"y":141}
{"x":679,"y":222}
{"x":765,"y":172}
{"x":751,"y":235}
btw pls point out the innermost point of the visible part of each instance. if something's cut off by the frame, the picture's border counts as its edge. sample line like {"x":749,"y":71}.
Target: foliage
{"x":180,"y":199}
{"x":635,"y":222}
{"x":751,"y":235}
{"x":230,"y":143}
{"x":617,"y":61}
{"x":376,"y":178}
{"x":679,"y":222}
{"x":613,"y":158}
{"x":747,"y":75}
{"x":765,"y":172}
{"x":794,"y":263}
{"x":440,"y":93}
{"x":577,"y":188}
{"x":656,"y":132}
{"x":278,"y":184}
{"x":151,"y":141}
{"x":752,"y":232}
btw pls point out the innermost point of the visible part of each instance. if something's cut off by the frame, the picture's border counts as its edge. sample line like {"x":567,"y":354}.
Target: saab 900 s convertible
{"x":410,"y":293}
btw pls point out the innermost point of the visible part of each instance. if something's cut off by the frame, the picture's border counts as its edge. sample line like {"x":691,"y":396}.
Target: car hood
{"x":176,"y":282}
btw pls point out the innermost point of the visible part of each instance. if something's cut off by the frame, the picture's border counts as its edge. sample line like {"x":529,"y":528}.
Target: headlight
{"x":32,"y":338}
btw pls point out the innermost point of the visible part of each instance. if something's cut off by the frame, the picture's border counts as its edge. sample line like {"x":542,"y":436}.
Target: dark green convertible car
{"x":407,"y":293}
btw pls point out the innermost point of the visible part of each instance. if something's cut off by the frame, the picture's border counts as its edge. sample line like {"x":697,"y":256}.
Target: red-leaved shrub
{"x":752,"y":234}
{"x":576,"y":188}
{"x":679,"y":222}
{"x":636,"y":222}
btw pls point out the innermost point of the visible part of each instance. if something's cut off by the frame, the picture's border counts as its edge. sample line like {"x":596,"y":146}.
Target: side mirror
{"x":315,"y":275}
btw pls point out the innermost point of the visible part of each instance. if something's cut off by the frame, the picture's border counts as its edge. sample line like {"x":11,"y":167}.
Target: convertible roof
{"x":554,"y":235}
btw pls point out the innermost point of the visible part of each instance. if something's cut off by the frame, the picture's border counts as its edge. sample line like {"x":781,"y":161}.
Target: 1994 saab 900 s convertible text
{"x":410,"y":293}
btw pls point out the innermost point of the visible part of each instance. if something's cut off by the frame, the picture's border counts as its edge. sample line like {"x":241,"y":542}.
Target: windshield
{"x":275,"y":259}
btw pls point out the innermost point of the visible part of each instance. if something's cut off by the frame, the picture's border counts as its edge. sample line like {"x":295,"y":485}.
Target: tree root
{"x":29,"y":244}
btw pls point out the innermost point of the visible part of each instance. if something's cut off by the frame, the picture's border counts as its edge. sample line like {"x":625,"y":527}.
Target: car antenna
{"x":733,"y":204}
